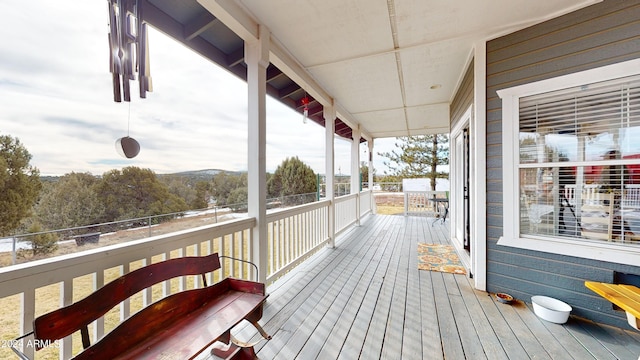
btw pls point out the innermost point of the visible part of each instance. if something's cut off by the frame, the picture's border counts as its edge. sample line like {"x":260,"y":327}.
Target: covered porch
{"x":367,"y":299}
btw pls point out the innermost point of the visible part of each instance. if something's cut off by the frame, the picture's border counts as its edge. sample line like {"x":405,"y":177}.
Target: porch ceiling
{"x":391,"y":67}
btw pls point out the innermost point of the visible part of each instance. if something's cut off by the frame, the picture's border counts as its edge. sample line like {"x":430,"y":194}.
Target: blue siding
{"x":602,"y":34}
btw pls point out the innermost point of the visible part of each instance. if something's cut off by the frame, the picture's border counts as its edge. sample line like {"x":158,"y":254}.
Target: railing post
{"x":13,"y":250}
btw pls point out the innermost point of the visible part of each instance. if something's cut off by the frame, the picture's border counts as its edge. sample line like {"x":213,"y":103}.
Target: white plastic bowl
{"x":550,"y":309}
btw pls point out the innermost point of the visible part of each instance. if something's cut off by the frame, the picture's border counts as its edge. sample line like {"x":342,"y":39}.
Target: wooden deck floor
{"x":365,"y":299}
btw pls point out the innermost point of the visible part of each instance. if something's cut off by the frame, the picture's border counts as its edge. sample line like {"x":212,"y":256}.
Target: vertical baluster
{"x":271,"y":234}
{"x":125,"y":306}
{"x":249,"y":235}
{"x":66,"y":298}
{"x":182,"y":281}
{"x":197,"y":282}
{"x":287,"y":244}
{"x":209,"y":251}
{"x":296,"y":237}
{"x":28,"y":310}
{"x":232,"y":248}
{"x":276,"y":245}
{"x":98,"y":325}
{"x":147,"y":294}
{"x":221,"y":250}
{"x":166,"y":285}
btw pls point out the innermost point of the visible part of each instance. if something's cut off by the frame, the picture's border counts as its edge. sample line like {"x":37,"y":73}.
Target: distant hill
{"x":48,"y":178}
{"x":198,"y":175}
{"x":195,"y":175}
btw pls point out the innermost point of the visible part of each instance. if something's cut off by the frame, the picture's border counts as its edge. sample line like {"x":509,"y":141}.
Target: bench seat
{"x":180,"y":326}
{"x":627,"y":297}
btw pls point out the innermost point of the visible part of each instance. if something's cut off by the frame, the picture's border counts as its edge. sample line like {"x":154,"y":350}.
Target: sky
{"x":56,"y":98}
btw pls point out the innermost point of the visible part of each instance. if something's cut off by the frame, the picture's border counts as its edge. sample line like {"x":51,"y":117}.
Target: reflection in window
{"x":580,"y":162}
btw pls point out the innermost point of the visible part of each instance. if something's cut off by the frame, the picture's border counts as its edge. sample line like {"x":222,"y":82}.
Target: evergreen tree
{"x":418,"y":156}
{"x":71,"y":201}
{"x":19,"y":184}
{"x":135,"y":192}
{"x":201,"y":199}
{"x":224,"y":184}
{"x":292,"y":177}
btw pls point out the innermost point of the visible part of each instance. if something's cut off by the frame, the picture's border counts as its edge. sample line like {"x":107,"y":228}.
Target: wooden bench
{"x":627,"y":297}
{"x":179,"y":326}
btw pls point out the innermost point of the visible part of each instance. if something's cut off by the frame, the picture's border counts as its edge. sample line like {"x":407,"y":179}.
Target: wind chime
{"x":128,"y":55}
{"x":305,"y":108}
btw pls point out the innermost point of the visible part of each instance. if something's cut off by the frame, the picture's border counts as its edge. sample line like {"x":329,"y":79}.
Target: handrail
{"x":288,"y":212}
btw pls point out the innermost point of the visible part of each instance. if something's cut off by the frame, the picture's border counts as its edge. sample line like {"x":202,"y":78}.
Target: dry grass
{"x":389,"y":203}
{"x":390,"y":210}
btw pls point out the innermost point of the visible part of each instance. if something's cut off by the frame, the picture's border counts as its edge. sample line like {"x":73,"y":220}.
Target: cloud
{"x":56,"y":97}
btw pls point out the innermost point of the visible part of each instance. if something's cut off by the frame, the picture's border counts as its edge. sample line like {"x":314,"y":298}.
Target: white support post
{"x":330,"y":127}
{"x":370,"y":180}
{"x":257,"y":59}
{"x":355,"y":170}
{"x":370,"y":165}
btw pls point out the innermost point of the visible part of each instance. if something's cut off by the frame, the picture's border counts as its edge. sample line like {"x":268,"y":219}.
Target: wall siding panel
{"x":463,"y":98}
{"x":602,"y":34}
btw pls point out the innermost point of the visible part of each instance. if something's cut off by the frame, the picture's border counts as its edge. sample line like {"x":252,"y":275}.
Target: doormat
{"x":437,"y":257}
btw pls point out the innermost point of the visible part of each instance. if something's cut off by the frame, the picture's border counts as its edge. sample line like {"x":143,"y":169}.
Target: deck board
{"x":490,"y":343}
{"x":366,"y":299}
{"x":552,"y":345}
{"x":469,"y":338}
{"x":609,"y":342}
{"x":411,"y":336}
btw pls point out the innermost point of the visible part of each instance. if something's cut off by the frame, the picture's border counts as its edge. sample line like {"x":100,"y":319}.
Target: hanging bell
{"x":127,"y":147}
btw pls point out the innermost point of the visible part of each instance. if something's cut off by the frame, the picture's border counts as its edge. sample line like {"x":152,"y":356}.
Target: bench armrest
{"x":13,"y":347}
{"x":244,"y":261}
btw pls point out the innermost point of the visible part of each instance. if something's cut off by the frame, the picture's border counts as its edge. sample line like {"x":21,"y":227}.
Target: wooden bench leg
{"x":236,"y":350}
{"x":261,"y":330}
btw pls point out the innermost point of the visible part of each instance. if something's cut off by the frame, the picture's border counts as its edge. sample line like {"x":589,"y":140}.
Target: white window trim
{"x":604,"y":251}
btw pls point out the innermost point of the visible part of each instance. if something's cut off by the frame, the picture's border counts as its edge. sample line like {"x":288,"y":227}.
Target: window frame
{"x":588,"y":249}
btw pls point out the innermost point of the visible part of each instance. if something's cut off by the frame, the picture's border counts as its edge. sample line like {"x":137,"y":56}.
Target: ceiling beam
{"x":200,"y":24}
{"x":289,"y":90}
{"x":273,"y":73}
{"x":290,"y":66}
{"x":168,"y":25}
{"x":236,"y":57}
{"x":234,"y":17}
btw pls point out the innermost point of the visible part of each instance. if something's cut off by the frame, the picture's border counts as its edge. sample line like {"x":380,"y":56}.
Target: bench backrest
{"x":66,"y":321}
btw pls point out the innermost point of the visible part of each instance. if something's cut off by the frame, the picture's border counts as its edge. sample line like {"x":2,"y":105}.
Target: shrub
{"x":42,"y":243}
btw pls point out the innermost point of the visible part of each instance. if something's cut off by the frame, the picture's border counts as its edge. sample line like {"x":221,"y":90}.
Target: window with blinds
{"x":579,"y":162}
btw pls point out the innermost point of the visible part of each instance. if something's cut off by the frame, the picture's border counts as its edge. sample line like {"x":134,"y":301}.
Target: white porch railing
{"x":294,"y":234}
{"x":366,"y":202}
{"x":345,"y":211}
{"x":31,"y":289}
{"x":421,"y":202}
